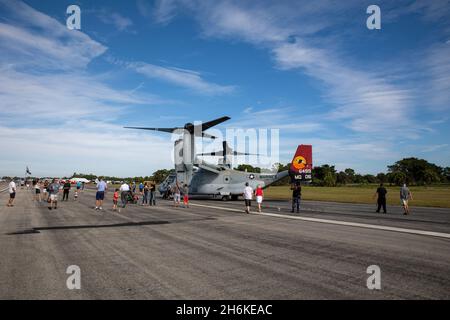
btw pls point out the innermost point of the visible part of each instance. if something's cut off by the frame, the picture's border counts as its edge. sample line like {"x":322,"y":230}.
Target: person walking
{"x":381,"y":198}
{"x":145,"y":191}
{"x":53,"y":191}
{"x":77,"y":191}
{"x":115,"y":199}
{"x":248,"y":196}
{"x":152,"y":194}
{"x":37,"y":188}
{"x":296,"y":197}
{"x":176,"y":194}
{"x":100,"y":195}
{"x":405,"y":196}
{"x":66,"y":190}
{"x":259,"y":196}
{"x":124,"y":193}
{"x":186,"y":196}
{"x":45,"y":190}
{"x":12,"y":188}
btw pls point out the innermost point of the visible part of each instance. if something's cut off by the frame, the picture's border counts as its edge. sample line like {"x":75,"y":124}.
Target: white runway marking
{"x":337,"y":222}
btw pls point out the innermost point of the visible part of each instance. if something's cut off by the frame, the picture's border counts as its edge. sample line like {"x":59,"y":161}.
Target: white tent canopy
{"x":80,"y":180}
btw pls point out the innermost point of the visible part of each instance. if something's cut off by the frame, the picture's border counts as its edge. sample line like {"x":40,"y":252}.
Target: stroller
{"x":132,"y":198}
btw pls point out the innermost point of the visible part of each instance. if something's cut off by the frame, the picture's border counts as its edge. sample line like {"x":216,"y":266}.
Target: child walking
{"x":115,"y":199}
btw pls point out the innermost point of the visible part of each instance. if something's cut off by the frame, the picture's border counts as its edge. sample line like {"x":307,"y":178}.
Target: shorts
{"x":38,"y":191}
{"x":100,"y":195}
{"x":259,"y":199}
{"x":185,"y":199}
{"x":78,"y":188}
{"x":12,"y":195}
{"x":404,"y":202}
{"x":248,"y":202}
{"x":54,"y":197}
{"x":115,"y":202}
{"x":176,"y":197}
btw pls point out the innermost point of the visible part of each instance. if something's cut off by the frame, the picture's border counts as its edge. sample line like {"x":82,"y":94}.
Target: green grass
{"x":432,"y":196}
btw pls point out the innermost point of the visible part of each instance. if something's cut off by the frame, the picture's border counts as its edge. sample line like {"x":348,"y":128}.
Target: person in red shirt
{"x":115,"y":199}
{"x":259,"y":196}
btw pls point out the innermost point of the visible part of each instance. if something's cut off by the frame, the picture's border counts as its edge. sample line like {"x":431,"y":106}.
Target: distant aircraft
{"x":220,"y":180}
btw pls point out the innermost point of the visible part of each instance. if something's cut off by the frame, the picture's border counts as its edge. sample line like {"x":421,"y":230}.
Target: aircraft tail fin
{"x":301,"y":165}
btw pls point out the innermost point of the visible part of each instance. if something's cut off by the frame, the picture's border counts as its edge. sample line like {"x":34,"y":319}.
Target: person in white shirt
{"x":12,"y":193}
{"x":248,"y":196}
{"x":124,"y":191}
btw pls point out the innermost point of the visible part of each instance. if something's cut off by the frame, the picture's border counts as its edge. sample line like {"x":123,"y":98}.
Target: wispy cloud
{"x":181,"y":77}
{"x":54,"y":114}
{"x":364,"y":98}
{"x":119,"y":21}
{"x":161,"y":11}
{"x":274,"y":118}
{"x":34,"y":36}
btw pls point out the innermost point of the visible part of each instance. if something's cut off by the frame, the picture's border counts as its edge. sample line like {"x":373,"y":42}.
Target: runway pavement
{"x":213,"y":250}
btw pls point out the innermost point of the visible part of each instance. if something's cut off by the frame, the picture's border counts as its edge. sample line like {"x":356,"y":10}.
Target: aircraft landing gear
{"x":234,"y":197}
{"x":225,"y":198}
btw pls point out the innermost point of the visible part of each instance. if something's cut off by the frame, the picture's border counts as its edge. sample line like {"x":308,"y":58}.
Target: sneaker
{"x":100,"y":208}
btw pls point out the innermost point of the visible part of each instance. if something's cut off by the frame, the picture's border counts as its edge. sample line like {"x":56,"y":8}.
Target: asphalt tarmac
{"x":213,"y":250}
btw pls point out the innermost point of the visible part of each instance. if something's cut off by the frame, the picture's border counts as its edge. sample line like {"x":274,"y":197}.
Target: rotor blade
{"x":170,"y":130}
{"x":205,"y":135}
{"x":236,"y":153}
{"x":220,"y":154}
{"x":212,"y":154}
{"x":212,"y":123}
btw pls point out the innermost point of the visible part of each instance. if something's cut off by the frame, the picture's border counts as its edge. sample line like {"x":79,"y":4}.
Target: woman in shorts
{"x":259,"y":196}
{"x":37,"y":188}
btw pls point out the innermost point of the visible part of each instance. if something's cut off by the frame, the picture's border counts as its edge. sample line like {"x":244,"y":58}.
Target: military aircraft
{"x":217,"y":180}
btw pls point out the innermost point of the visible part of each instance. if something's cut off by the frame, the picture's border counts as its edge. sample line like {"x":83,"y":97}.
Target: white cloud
{"x":181,"y":77}
{"x":120,"y":22}
{"x":32,"y":36}
{"x":365,"y":99}
{"x":275,"y":118}
{"x":54,"y":115}
{"x":82,"y":146}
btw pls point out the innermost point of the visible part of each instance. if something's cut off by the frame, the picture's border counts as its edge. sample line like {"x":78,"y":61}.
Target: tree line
{"x":412,"y":171}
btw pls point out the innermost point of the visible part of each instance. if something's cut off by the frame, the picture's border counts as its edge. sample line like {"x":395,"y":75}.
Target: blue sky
{"x":363,"y":98}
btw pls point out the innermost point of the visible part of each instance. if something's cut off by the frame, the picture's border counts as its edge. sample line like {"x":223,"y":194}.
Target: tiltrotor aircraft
{"x":218,"y":180}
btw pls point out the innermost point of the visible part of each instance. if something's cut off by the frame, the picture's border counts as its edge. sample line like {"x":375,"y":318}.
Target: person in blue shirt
{"x":100,"y":195}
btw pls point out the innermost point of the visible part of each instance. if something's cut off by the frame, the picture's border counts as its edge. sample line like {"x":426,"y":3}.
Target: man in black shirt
{"x":66,"y":189}
{"x":296,"y":195}
{"x":381,"y":197}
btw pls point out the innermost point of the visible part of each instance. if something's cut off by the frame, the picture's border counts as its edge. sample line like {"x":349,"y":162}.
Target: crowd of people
{"x":48,"y":191}
{"x":380,"y":195}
